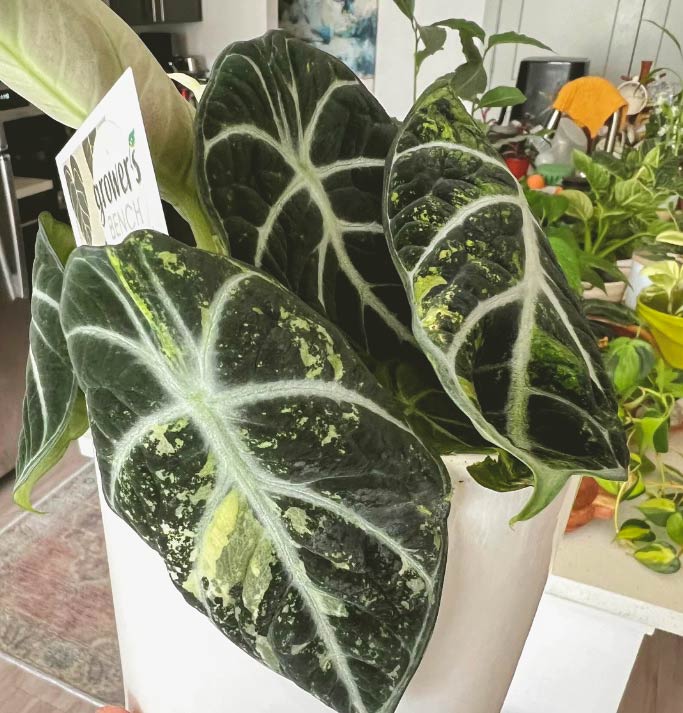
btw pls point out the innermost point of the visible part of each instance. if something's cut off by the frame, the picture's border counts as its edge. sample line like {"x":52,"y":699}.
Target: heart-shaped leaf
{"x":635,"y":530}
{"x":293,"y":149}
{"x":54,"y":409}
{"x":243,"y":439}
{"x":674,"y":527}
{"x":660,"y":557}
{"x":491,"y":307}
{"x":658,"y":510}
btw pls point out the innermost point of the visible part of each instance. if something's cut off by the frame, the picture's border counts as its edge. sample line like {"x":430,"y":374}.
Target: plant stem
{"x":205,"y":237}
{"x":620,"y":244}
{"x":587,"y":238}
{"x":416,"y":68}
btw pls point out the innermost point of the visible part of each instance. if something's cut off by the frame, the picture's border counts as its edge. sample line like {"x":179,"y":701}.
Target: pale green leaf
{"x":660,"y":557}
{"x":672,"y":237}
{"x":674,"y":527}
{"x":658,"y":510}
{"x":313,"y":220}
{"x":580,"y":205}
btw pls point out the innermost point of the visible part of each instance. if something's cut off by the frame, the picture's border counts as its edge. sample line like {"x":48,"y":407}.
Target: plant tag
{"x":107,"y":172}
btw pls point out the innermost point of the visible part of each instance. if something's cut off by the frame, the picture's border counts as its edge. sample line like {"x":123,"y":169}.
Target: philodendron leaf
{"x":64,"y":56}
{"x":660,"y":557}
{"x":292,"y":149}
{"x":491,"y":307}
{"x":54,"y":409}
{"x":245,"y":441}
{"x":635,"y":530}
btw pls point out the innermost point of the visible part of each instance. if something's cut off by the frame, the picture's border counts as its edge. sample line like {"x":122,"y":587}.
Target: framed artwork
{"x":345,"y":28}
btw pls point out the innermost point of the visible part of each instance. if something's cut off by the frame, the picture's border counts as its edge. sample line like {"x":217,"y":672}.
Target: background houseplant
{"x":263,"y":514}
{"x":469,"y":79}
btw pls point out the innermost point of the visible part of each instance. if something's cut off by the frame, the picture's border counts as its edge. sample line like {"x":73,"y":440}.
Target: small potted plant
{"x":518,"y":144}
{"x":661,"y":306}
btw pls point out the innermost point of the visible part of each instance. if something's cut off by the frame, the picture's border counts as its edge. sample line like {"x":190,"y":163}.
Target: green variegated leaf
{"x":243,"y":439}
{"x":292,"y":149}
{"x":54,"y":410}
{"x":491,"y":307}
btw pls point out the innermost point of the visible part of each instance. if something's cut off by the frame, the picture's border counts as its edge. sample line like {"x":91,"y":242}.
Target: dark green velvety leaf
{"x":491,"y":307}
{"x":54,"y":410}
{"x":293,"y":149}
{"x":246,"y":442}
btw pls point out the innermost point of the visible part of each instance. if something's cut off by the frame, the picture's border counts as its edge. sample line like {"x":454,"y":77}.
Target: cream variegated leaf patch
{"x":54,"y":409}
{"x":291,"y":149}
{"x":245,"y":442}
{"x":491,"y":307}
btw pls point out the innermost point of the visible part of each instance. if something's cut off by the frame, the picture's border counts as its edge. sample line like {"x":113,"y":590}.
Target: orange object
{"x":558,"y":190}
{"x":589,"y":102}
{"x":111,"y":709}
{"x":536,"y":181}
{"x":591,"y":503}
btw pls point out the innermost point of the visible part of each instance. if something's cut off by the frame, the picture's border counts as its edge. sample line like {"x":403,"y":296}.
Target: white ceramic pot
{"x":175,"y":661}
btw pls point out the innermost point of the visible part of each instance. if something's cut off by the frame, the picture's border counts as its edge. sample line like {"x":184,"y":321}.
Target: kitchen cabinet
{"x":157,"y":12}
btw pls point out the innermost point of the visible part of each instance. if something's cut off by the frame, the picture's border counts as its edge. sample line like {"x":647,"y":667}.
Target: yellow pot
{"x":667,"y":331}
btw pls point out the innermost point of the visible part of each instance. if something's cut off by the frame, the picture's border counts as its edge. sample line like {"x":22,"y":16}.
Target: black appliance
{"x":540,"y":79}
{"x":161,"y":45}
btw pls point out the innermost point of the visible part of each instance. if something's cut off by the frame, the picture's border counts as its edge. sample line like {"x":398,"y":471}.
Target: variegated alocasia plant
{"x":291,"y":153}
{"x":491,"y":307}
{"x":246,"y":442}
{"x":236,"y":429}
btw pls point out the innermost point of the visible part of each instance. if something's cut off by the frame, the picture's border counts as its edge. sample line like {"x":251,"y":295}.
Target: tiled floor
{"x":656,"y":685}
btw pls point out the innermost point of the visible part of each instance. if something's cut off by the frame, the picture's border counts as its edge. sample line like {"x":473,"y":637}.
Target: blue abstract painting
{"x":345,"y":28}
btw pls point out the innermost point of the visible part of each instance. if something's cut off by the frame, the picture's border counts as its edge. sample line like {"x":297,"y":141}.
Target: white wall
{"x":228,"y":20}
